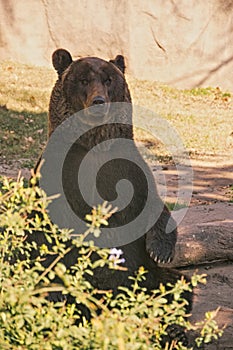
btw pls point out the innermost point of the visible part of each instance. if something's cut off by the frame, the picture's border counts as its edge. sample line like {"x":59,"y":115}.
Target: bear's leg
{"x":161,"y":238}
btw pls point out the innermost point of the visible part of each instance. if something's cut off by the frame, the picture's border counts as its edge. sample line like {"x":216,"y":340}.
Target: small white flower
{"x":115,"y":256}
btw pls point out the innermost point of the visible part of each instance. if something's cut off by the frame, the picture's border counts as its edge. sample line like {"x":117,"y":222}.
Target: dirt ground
{"x":211,"y":184}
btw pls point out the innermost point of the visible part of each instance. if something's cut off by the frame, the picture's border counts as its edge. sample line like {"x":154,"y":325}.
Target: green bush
{"x":28,"y":320}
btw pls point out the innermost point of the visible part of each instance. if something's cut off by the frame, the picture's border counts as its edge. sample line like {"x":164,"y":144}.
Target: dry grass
{"x":202,"y":117}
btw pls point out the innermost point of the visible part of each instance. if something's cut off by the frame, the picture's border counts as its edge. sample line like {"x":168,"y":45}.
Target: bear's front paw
{"x":160,"y":251}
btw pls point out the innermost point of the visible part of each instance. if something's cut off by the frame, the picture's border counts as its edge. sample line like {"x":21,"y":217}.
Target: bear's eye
{"x":84,"y":81}
{"x":108,"y":81}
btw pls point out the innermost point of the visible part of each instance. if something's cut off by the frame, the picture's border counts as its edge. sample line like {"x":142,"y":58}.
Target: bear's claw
{"x":161,"y":254}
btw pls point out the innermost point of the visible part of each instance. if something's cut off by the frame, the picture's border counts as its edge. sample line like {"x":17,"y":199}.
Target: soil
{"x":211,"y":184}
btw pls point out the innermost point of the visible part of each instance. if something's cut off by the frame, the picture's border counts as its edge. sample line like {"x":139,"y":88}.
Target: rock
{"x":205,"y":235}
{"x":205,"y":245}
{"x":182,"y":43}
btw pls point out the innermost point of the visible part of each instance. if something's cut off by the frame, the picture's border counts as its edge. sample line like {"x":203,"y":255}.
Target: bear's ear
{"x":119,"y":61}
{"x":61,"y":60}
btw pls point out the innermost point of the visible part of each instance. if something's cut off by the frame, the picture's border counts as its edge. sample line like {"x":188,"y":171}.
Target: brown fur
{"x":80,"y":84}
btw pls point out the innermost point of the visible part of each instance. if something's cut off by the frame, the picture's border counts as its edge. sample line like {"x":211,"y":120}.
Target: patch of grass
{"x":201,"y":116}
{"x":24,"y":98}
{"x":208,"y":91}
{"x":200,"y":91}
{"x":175,"y":206}
{"x":24,"y":87}
{"x":22,"y":135}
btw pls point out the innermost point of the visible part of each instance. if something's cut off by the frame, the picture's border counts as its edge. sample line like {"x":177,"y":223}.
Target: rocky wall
{"x":179,"y":42}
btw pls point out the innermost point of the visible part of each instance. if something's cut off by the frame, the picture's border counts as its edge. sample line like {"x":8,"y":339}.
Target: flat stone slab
{"x":204,"y":235}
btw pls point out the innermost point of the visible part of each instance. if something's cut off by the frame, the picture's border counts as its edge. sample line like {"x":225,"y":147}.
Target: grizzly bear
{"x":92,"y":82}
{"x":90,"y":86}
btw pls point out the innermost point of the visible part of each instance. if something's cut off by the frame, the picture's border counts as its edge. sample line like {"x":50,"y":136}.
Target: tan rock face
{"x":184,"y":43}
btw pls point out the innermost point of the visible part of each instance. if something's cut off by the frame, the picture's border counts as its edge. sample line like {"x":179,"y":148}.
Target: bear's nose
{"x":98,"y":100}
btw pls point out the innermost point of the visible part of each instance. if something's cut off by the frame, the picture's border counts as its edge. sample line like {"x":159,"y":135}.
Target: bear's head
{"x":90,"y":84}
{"x":91,"y":81}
